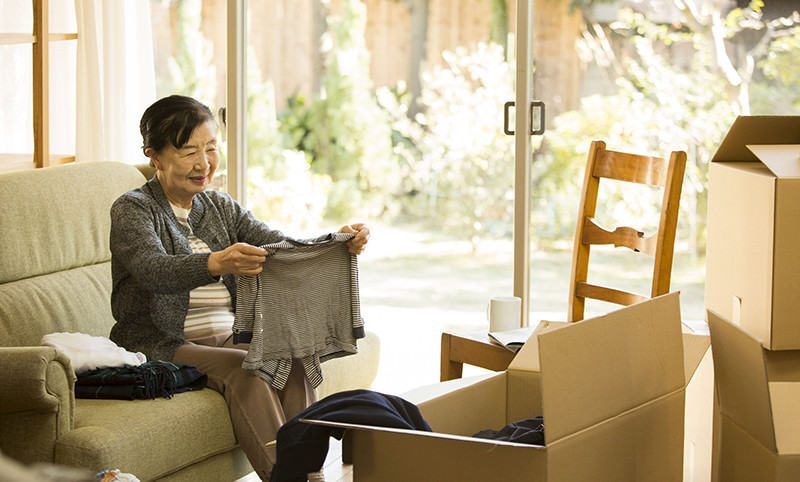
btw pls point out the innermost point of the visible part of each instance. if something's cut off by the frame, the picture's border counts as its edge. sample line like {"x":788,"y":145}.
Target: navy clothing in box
{"x":302,"y":447}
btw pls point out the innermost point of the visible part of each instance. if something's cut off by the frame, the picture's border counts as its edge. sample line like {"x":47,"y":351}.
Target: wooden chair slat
{"x":635,"y":168}
{"x":621,"y":237}
{"x":611,"y":295}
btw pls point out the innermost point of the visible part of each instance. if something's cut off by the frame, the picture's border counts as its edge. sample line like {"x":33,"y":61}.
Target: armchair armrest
{"x":37,"y":401}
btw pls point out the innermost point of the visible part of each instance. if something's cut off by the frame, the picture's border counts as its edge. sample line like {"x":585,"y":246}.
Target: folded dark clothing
{"x":147,"y":381}
{"x":529,"y":431}
{"x":301,"y":447}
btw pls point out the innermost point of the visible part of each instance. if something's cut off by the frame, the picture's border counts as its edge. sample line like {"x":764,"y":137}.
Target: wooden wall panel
{"x":389,"y":41}
{"x":281,"y":35}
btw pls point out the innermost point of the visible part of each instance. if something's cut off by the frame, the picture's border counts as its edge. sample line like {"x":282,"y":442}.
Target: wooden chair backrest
{"x":654,"y":171}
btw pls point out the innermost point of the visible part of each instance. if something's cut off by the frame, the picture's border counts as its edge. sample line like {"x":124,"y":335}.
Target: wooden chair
{"x":602,"y":164}
{"x":475,"y":348}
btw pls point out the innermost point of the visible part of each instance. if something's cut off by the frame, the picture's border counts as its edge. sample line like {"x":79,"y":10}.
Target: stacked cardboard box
{"x":758,"y":437}
{"x":752,"y":272}
{"x":610,"y":389}
{"x":752,"y":281}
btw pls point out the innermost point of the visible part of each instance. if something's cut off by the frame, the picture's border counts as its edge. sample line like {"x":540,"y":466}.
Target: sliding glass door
{"x":391,"y":113}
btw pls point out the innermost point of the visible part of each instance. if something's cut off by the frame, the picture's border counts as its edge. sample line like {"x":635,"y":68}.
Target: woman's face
{"x":188,"y":170}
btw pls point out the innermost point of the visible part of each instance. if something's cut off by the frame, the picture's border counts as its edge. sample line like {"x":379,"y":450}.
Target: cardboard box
{"x":698,"y":426}
{"x":610,"y":389}
{"x":752,"y":263}
{"x":759,"y":407}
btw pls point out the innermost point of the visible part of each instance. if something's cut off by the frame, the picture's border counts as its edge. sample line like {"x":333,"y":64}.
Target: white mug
{"x":504,"y":313}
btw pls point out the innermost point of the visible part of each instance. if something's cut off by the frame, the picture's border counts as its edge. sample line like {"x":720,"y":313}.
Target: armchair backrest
{"x":55,"y":271}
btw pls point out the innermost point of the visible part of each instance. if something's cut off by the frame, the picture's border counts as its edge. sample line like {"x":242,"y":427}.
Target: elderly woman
{"x":176,"y":249}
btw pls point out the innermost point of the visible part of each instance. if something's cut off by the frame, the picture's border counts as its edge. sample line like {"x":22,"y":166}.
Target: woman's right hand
{"x":241,"y":259}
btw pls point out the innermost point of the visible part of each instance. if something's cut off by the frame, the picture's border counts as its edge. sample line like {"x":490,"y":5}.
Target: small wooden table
{"x":474,"y":348}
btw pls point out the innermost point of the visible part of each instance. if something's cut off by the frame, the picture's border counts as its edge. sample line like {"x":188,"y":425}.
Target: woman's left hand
{"x":359,"y":242}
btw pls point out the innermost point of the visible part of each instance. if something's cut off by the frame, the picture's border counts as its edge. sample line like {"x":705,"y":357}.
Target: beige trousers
{"x":257,"y":410}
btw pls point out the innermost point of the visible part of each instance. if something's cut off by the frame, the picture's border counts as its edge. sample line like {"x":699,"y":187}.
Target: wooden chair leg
{"x":449,"y":370}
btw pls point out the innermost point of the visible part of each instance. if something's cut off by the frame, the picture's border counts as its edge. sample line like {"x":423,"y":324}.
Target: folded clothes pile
{"x":87,"y":352}
{"x":146,"y":381}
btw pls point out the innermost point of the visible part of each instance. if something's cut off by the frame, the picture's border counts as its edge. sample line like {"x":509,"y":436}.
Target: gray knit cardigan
{"x":153,"y":267}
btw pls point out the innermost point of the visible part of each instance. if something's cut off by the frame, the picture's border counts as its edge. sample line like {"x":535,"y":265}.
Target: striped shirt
{"x":303,"y":305}
{"x":210,"y":306}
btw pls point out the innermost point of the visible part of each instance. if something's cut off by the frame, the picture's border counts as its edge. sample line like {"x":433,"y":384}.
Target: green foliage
{"x":287,"y":194}
{"x":191,"y":71}
{"x":461,"y":167}
{"x":781,"y":65}
{"x":264,"y":140}
{"x":344,"y":132}
{"x":781,"y":62}
{"x":281,"y":189}
{"x":675,"y":92}
{"x":498,"y":26}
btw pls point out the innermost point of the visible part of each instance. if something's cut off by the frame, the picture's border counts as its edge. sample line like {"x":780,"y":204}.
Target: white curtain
{"x":16,"y":115}
{"x":115,"y":79}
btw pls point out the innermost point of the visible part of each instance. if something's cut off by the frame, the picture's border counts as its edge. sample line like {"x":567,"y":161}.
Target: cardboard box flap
{"x":420,"y":433}
{"x":782,"y":159}
{"x":527,"y":358}
{"x":695,"y":347}
{"x":741,"y":378}
{"x":785,"y":398}
{"x":596,"y":369}
{"x":757,"y":129}
{"x":424,"y":393}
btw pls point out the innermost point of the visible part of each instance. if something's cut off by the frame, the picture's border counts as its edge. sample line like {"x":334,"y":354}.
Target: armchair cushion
{"x":130,"y":435}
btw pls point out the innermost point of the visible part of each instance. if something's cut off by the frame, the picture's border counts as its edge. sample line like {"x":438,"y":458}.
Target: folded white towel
{"x":87,"y":352}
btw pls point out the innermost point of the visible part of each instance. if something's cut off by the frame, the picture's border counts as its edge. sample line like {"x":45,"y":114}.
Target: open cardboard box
{"x":699,"y":412}
{"x":759,"y":404}
{"x":610,"y":389}
{"x":754,"y":227}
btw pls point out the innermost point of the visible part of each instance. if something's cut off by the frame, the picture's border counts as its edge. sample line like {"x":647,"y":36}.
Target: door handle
{"x":534,"y":105}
